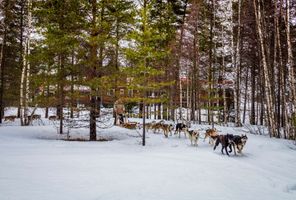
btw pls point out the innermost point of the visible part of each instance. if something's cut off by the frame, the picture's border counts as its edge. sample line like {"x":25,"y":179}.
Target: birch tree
{"x":25,"y":77}
{"x":267,"y":80}
{"x":237,"y":67}
{"x":290,"y":66}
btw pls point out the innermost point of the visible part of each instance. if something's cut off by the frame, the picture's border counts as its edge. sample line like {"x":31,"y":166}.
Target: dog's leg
{"x":234,"y":149}
{"x":216,"y":144}
{"x":226,"y":150}
{"x":222,"y":149}
{"x":239,"y":147}
{"x":230,"y":148}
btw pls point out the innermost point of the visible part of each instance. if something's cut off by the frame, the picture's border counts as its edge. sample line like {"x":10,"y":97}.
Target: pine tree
{"x":142,"y":56}
{"x":61,"y":30}
{"x":10,"y":52}
{"x":26,"y":67}
{"x":165,"y":18}
{"x":121,"y":18}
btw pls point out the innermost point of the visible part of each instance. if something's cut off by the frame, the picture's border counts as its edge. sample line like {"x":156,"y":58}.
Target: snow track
{"x":35,"y":165}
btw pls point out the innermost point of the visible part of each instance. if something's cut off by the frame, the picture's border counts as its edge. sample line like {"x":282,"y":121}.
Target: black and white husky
{"x":238,"y":141}
{"x":193,"y":136}
{"x":181,"y":127}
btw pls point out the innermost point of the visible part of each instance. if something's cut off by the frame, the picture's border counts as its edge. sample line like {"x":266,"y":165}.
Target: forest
{"x":204,"y":61}
{"x":147,"y":99}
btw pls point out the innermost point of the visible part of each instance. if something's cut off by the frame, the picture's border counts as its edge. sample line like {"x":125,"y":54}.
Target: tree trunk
{"x":179,"y":61}
{"x":144,"y":126}
{"x":47,"y":98}
{"x":238,"y":69}
{"x":195,"y":74}
{"x":223,"y":78}
{"x":25,"y":76}
{"x":6,"y":8}
{"x":210,"y":68}
{"x":282,"y":101}
{"x":159,"y":111}
{"x":72,"y":85}
{"x":21,"y":61}
{"x":148,"y":111}
{"x":253,"y":89}
{"x":246,"y":96}
{"x":61,"y":94}
{"x":27,"y":88}
{"x":267,"y":81}
{"x":22,"y":87}
{"x":2,"y":67}
{"x":276,"y":66}
{"x":92,"y":123}
{"x":93,"y":58}
{"x":291,"y":72}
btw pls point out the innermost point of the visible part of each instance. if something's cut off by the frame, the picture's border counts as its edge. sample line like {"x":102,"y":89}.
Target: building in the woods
{"x":109,"y":96}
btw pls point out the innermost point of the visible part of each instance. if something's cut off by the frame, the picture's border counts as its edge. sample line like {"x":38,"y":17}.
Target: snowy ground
{"x":35,"y":165}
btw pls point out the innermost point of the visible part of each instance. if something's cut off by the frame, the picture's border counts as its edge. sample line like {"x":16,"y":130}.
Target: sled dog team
{"x":227,"y":141}
{"x":13,"y":117}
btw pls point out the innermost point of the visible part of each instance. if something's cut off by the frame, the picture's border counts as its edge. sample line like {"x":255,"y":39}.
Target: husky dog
{"x":149,"y":126}
{"x":212,"y":135}
{"x":34,"y":117}
{"x":239,"y":141}
{"x":225,"y":140}
{"x":131,"y":125}
{"x":10,"y":118}
{"x":167,"y":128}
{"x":181,"y":127}
{"x":52,"y":118}
{"x":193,"y":136}
{"x":156,"y":127}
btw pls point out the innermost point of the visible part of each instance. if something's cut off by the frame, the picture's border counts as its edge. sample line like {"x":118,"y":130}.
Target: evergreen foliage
{"x":203,"y":55}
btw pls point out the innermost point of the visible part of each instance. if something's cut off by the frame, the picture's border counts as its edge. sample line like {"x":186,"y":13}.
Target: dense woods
{"x":205,"y":61}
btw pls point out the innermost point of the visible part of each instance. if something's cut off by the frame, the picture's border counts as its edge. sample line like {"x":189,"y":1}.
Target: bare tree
{"x":25,"y":76}
{"x":290,"y":65}
{"x":266,"y":73}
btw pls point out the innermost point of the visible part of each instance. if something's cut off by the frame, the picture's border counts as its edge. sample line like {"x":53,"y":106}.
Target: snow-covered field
{"x":34,"y":165}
